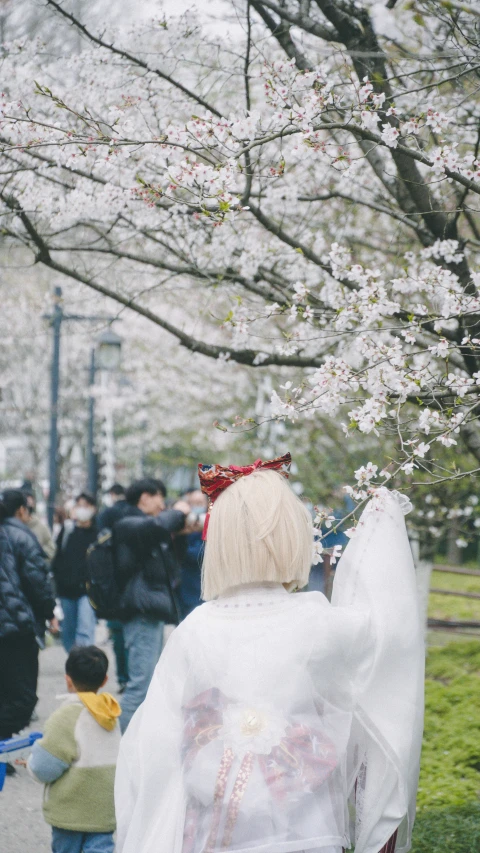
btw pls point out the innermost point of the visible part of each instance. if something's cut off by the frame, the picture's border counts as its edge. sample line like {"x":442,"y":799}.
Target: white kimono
{"x":278,"y":722}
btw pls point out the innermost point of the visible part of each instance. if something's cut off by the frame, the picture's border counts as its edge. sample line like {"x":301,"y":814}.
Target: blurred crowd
{"x":44,"y":584}
{"x":156,"y":548}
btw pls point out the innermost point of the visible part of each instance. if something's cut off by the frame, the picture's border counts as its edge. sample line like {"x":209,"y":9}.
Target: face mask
{"x":198,"y":510}
{"x":83,"y":513}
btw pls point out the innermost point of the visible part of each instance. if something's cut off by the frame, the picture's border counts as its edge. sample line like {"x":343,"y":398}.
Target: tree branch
{"x":209,"y":276}
{"x":131,"y":58}
{"x":401,"y":217}
{"x":282,"y":235}
{"x":246,"y":356}
{"x":302,"y":21}
{"x":282,"y":33}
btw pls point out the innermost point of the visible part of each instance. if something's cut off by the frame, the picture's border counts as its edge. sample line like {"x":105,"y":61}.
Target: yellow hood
{"x":103,"y":707}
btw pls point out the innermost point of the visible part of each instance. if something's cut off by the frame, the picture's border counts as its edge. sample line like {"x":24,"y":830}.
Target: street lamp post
{"x":56,"y":321}
{"x":105,"y":357}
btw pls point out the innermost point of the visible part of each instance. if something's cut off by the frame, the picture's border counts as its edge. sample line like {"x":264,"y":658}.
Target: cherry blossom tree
{"x":160,"y":402}
{"x":301,"y":198}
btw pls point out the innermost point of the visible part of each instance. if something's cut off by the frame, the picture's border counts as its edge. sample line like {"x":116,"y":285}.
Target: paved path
{"x":22,"y":828}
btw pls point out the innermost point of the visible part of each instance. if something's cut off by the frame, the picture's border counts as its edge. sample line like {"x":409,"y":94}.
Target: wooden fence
{"x":456,"y":625}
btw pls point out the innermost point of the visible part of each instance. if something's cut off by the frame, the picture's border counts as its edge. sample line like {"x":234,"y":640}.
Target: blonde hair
{"x":259,"y":531}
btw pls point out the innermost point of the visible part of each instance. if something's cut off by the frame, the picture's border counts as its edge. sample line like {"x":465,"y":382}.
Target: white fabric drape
{"x":268,"y":710}
{"x":376,"y":574}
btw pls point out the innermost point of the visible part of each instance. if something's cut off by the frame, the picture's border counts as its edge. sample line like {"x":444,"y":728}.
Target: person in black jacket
{"x":147,"y":576}
{"x":26,"y":602}
{"x":69,"y":567}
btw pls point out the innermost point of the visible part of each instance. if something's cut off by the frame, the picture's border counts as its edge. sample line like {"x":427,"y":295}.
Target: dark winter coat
{"x":189,"y":550}
{"x":146,"y":570}
{"x":26,"y":598}
{"x":69,"y":564}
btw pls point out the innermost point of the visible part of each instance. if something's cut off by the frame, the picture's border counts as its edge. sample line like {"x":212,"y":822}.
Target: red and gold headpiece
{"x":214,"y":479}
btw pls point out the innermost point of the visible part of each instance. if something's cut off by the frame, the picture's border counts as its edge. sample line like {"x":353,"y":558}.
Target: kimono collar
{"x":252,"y":590}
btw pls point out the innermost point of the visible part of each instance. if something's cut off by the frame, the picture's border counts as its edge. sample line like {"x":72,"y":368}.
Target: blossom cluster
{"x":229,"y":199}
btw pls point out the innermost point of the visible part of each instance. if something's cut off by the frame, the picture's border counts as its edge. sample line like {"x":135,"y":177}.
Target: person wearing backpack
{"x":69,"y":568}
{"x":147,"y":577}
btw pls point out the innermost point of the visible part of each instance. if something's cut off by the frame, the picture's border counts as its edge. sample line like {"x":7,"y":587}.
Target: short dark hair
{"x":87,"y":666}
{"x":12,"y":500}
{"x":116,"y":489}
{"x":27,"y":489}
{"x":148,"y":485}
{"x":86,"y":497}
{"x":161,"y":486}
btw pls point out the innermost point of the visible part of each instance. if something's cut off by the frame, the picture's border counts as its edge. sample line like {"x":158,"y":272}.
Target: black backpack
{"x":102,"y":589}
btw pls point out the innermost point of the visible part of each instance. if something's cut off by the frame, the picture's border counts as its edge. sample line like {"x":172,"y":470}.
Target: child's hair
{"x":259,"y":531}
{"x":87,"y":666}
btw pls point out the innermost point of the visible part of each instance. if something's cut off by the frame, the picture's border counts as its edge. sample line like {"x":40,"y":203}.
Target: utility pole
{"x":56,"y":323}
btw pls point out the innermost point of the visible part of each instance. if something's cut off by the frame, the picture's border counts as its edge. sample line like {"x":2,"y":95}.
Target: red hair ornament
{"x":214,"y":479}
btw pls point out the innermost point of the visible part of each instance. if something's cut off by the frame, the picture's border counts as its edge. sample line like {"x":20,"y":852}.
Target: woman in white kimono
{"x":275,"y":722}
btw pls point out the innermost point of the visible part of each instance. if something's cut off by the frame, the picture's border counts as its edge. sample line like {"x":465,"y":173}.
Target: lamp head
{"x":109,"y":350}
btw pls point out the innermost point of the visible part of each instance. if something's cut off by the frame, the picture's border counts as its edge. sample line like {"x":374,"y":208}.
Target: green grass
{"x":447,"y":831}
{"x":451,"y":607}
{"x":448,"y":804}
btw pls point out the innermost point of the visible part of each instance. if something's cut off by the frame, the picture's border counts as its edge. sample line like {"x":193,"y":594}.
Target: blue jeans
{"x":116,"y":635}
{"x":69,"y":841}
{"x":143,"y":641}
{"x":78,"y":624}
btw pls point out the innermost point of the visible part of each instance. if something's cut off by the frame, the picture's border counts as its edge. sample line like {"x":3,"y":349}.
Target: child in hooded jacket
{"x":76,"y":759}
